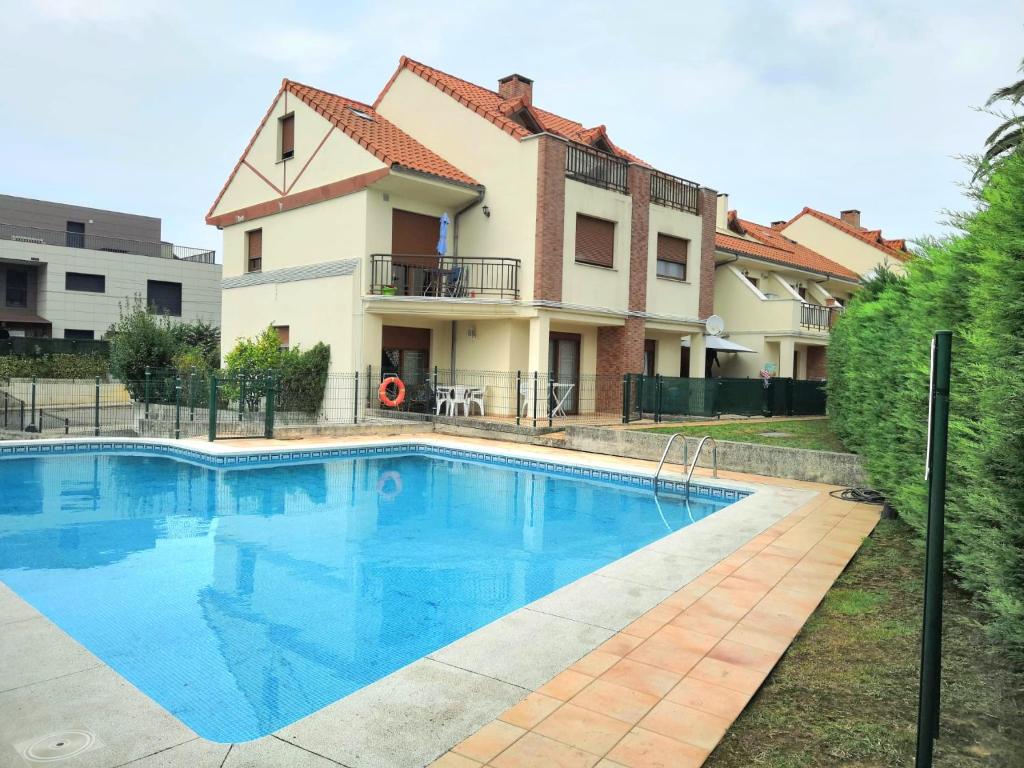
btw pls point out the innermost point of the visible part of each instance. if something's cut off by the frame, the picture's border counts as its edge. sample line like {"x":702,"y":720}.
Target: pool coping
{"x":417,"y":713}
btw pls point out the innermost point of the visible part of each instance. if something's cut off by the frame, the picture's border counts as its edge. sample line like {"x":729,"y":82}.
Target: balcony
{"x":675,"y":192}
{"x":22,"y":234}
{"x":459,"y":277}
{"x":597,"y":168}
{"x":817,"y":317}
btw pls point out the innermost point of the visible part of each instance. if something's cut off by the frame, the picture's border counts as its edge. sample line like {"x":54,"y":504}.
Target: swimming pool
{"x":245,"y":596}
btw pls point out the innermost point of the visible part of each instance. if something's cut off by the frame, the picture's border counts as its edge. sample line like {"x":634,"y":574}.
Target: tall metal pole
{"x":935,"y":474}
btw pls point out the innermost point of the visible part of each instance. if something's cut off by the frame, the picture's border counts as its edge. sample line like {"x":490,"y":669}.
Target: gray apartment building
{"x":65,"y":270}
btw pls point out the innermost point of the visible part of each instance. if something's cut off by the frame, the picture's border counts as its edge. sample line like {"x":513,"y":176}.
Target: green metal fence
{"x":656,"y":397}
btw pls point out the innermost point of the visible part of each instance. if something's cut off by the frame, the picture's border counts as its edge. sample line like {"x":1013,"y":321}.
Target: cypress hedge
{"x":971,"y":283}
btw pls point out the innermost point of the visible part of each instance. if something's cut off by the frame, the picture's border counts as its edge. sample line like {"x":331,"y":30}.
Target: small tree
{"x":199,"y":342}
{"x":139,"y":340}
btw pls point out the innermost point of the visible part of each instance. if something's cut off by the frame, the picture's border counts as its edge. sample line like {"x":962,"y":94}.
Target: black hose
{"x":862,"y":495}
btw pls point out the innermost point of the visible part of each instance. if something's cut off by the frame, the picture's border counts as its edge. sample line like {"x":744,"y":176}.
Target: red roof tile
{"x":389,"y":143}
{"x":895,"y":248}
{"x":772,"y":245}
{"x":490,"y":105}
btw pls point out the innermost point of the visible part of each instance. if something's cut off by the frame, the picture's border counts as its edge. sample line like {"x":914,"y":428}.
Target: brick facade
{"x":640,"y":191}
{"x":816,"y":368}
{"x":620,"y":350}
{"x":708,"y":214}
{"x":547,"y":263}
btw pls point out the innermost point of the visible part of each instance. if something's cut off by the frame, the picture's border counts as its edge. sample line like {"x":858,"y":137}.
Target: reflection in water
{"x":244,"y":599}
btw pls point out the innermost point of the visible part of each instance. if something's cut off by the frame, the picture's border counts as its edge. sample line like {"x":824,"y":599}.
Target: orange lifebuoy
{"x":382,"y":393}
{"x":390,"y":486}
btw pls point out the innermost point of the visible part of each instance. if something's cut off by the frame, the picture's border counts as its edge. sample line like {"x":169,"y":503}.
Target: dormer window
{"x":286,"y":130}
{"x":603,"y":145}
{"x":525,"y":119}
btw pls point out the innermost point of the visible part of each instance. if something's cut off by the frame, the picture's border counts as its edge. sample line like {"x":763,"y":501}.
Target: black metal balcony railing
{"x":592,"y":166}
{"x":818,"y":317}
{"x":459,"y":277}
{"x":675,"y":192}
{"x":18,"y":233}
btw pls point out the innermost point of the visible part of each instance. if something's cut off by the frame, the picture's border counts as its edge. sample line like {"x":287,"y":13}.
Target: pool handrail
{"x":664,"y":456}
{"x":696,"y":456}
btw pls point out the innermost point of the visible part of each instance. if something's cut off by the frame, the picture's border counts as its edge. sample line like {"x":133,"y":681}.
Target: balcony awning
{"x":717,"y":342}
{"x":9,"y":316}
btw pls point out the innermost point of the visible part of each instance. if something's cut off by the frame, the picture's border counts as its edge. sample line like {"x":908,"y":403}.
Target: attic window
{"x":360,"y":113}
{"x":603,"y":145}
{"x":287,"y":133}
{"x":526,"y":120}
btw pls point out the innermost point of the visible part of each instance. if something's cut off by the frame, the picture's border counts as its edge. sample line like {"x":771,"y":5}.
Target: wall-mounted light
{"x":487,"y":211}
{"x":471,"y":331}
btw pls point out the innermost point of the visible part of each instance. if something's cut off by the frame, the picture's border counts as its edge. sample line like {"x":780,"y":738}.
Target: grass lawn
{"x":813,"y":434}
{"x":845,"y":694}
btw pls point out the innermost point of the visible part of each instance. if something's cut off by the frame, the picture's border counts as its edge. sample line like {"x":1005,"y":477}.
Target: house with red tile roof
{"x":453,"y":225}
{"x":778,"y":297}
{"x":845,"y":240}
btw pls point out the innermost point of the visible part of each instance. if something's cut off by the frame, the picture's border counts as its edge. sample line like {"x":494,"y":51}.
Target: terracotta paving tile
{"x":718,"y":605}
{"x":620,"y":644}
{"x":534,"y":750}
{"x":683,"y":598}
{"x":674,"y":649}
{"x":582,"y":728}
{"x":742,"y":679}
{"x":706,"y":625}
{"x":709,"y":697}
{"x":662,"y":613}
{"x":759,"y":638}
{"x":565,"y":685}
{"x":643,"y":627}
{"x":493,"y":738}
{"x":606,"y":763}
{"x":615,"y":701}
{"x":595,"y":662}
{"x":683,"y":723}
{"x":741,"y":592}
{"x":804,"y":585}
{"x":641,"y":748}
{"x":641,"y":677}
{"x":723,"y":568}
{"x":745,"y":655}
{"x":531,"y":710}
{"x":452,"y":760}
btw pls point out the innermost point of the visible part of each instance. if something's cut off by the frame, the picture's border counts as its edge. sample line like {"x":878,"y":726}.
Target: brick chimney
{"x":851,"y":217}
{"x":778,"y":224}
{"x":514,"y":86}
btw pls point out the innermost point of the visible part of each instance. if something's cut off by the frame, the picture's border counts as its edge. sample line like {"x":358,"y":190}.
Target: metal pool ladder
{"x":696,"y":456}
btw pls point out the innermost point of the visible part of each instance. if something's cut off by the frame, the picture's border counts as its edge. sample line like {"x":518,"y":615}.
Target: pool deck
{"x":645,"y":662}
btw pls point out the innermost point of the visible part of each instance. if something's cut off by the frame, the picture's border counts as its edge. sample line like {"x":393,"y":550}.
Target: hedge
{"x":53,"y":366}
{"x":973,"y":284}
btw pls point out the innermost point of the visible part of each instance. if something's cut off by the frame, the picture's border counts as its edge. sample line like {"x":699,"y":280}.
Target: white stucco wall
{"x":845,"y":249}
{"x":586,"y":284}
{"x":672,"y":297}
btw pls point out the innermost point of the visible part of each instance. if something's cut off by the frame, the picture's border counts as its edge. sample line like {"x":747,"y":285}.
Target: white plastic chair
{"x":458,"y":398}
{"x":475,"y":396}
{"x":443,"y":399}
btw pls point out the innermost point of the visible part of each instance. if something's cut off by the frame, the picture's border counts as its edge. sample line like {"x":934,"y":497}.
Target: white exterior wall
{"x":126,"y":276}
{"x":845,"y":249}
{"x":586,"y":284}
{"x":672,"y":297}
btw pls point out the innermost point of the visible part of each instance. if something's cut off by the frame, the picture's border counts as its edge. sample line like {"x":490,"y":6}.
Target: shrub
{"x":300,"y":377}
{"x":54,"y":366}
{"x":140,"y":340}
{"x":972,"y":284}
{"x":303,"y":379}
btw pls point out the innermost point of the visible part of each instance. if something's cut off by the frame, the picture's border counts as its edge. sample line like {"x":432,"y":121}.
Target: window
{"x":71,"y":333}
{"x":672,"y":253}
{"x":75,"y":237}
{"x":595,"y":241}
{"x":254,"y":250}
{"x":164,"y":297}
{"x":282,"y":335}
{"x":17,"y":287}
{"x":802,"y":292}
{"x":753,"y":281}
{"x":79,"y":281}
{"x":287,"y":132}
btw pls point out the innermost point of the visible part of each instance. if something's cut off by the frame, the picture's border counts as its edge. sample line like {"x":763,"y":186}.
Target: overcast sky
{"x":144,"y":105}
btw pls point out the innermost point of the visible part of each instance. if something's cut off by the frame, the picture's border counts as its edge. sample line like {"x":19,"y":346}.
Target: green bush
{"x":54,"y":366}
{"x":303,"y":379}
{"x":300,"y":377}
{"x":972,"y":284}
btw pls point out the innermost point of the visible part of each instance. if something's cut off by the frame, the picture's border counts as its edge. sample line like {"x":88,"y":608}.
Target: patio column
{"x":537,"y":359}
{"x":787,"y":349}
{"x":698,"y":353}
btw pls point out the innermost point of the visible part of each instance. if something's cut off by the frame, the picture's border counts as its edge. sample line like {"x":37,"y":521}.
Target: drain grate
{"x":55,"y":747}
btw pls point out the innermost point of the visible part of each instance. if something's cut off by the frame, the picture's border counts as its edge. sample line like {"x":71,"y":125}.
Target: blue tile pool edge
{"x":243,"y":459}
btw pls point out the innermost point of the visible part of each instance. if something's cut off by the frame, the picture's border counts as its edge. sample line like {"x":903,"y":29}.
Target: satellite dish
{"x":714,"y":325}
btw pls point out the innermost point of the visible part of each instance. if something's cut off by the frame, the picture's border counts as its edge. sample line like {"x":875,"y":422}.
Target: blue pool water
{"x":243,"y":599}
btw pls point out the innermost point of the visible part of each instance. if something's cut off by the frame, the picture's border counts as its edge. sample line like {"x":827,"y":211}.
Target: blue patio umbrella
{"x":442,"y":241}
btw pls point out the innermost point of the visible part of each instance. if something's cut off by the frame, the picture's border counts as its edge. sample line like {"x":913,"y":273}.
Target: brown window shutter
{"x":414,"y":238}
{"x":287,"y":136}
{"x":672,"y":248}
{"x":595,"y":241}
{"x":254,"y":250}
{"x":283,"y":332}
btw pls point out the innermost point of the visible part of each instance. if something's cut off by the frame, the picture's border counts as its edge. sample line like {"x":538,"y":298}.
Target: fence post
{"x":212,"y":432}
{"x":96,"y":410}
{"x":177,"y":408}
{"x":519,"y":396}
{"x":192,"y":396}
{"x":21,"y":424}
{"x":5,"y":410}
{"x":32,"y":411}
{"x":355,"y":400}
{"x":535,"y":385}
{"x":550,"y":400}
{"x":241,"y":395}
{"x":625,"y":398}
{"x":268,"y":424}
{"x":146,"y":394}
{"x":790,"y":386}
{"x":435,"y":378}
{"x":657,"y":398}
{"x":369,"y":386}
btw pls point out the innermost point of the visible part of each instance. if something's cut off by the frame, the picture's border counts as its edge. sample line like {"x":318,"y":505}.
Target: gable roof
{"x":375,"y":133}
{"x":493,"y":107}
{"x":897,"y":248}
{"x":771,"y":245}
